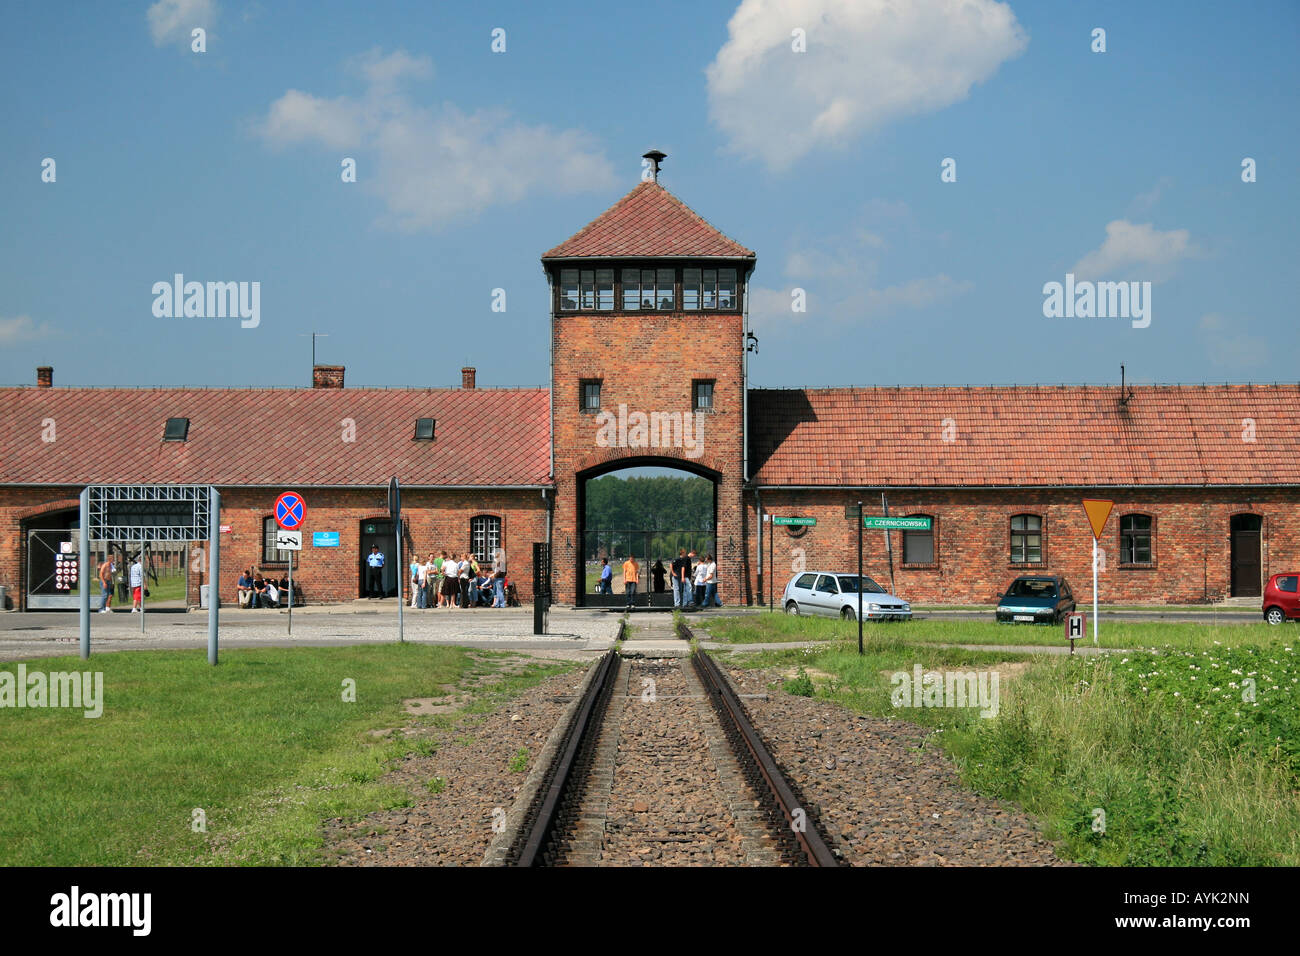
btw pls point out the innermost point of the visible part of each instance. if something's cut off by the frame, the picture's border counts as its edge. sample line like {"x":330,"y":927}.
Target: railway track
{"x":659,"y":764}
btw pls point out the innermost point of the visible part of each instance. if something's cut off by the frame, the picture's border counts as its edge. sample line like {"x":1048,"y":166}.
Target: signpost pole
{"x":395,"y":506}
{"x":291,"y":595}
{"x":771,"y":552}
{"x":214,"y":569}
{"x":144,"y":581}
{"x":889,"y":546}
{"x":85,"y":573}
{"x":859,"y":522}
{"x":1094,"y":592}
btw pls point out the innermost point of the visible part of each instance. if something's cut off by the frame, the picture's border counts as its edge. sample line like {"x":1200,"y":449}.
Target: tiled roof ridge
{"x":1040,"y":386}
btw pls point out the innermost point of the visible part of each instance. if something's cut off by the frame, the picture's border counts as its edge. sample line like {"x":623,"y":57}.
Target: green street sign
{"x":897,"y":524}
{"x":808,"y":521}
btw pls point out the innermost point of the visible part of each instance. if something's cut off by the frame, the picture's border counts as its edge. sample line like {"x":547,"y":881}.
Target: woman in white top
{"x":701,"y":574}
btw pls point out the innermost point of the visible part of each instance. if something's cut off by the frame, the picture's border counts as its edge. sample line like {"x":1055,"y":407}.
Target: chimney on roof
{"x":45,"y":376}
{"x":327,"y":376}
{"x":655,"y":157}
{"x":467,"y":377}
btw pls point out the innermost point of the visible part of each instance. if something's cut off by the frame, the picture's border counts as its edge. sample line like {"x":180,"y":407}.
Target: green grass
{"x":519,"y":761}
{"x":263,"y":744}
{"x":1185,"y":771}
{"x":1190,"y":635}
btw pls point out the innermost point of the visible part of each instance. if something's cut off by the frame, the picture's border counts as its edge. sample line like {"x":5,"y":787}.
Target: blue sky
{"x":225,"y":166}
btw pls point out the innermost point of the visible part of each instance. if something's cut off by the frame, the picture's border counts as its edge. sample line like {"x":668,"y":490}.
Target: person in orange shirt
{"x":631,"y":574}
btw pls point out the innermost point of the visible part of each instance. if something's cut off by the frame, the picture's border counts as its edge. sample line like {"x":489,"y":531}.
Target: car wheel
{"x":1275,"y":615}
{"x":792,"y":608}
{"x":846,"y":614}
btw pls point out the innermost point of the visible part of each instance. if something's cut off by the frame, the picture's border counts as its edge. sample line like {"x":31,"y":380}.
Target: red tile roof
{"x":1036,"y":435}
{"x":280,"y":437}
{"x":648,"y":221}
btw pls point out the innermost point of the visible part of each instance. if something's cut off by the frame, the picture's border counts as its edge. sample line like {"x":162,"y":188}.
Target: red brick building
{"x":649,"y":333}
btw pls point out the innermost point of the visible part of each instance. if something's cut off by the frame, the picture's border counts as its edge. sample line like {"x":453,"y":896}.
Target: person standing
{"x":681,"y":578}
{"x":106,"y":584}
{"x":375,"y":572}
{"x":464,"y":580}
{"x":631,"y":575}
{"x":701,"y":574}
{"x":710,"y":581}
{"x":606,"y":578}
{"x":499,"y":588}
{"x":416,"y":589}
{"x":137,"y":585}
{"x":657,"y":573}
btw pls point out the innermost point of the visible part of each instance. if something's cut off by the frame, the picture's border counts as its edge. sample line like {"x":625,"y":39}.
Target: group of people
{"x":107,"y":569}
{"x":257,"y":590}
{"x":457,"y":581}
{"x":694,"y":582}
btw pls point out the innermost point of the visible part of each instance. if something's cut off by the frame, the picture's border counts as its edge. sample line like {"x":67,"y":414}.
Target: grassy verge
{"x":1116,"y":635}
{"x":1132,"y":760}
{"x":265,"y":745}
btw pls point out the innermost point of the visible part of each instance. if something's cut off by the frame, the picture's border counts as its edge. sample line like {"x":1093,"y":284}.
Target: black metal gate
{"x":654,"y":552}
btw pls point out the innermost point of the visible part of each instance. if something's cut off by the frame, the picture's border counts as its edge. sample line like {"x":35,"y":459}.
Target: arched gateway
{"x":648,"y":309}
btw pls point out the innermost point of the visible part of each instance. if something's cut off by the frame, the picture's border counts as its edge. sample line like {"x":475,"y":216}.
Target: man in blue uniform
{"x":375,"y":572}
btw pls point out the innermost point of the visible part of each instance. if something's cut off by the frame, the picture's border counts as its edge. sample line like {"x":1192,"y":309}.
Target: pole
{"x":291,"y":594}
{"x":771,"y":556}
{"x":214,"y":569}
{"x":401,"y":571}
{"x":889,"y":545}
{"x":1094,"y":591}
{"x":144,"y":581}
{"x":860,"y":577}
{"x":85,"y":573}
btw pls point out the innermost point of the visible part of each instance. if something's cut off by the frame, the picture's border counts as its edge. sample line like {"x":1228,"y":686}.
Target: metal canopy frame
{"x":102,"y":498}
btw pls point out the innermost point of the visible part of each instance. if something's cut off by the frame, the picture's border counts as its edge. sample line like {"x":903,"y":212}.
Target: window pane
{"x":1017,"y":548}
{"x":588,"y":284}
{"x":605,"y":289}
{"x":631,"y":289}
{"x":726,"y":288}
{"x":704,"y":395}
{"x":690,"y":289}
{"x":568,"y":289}
{"x":1018,"y":523}
{"x":918,"y":547}
{"x":710,"y":293}
{"x":664,"y":289}
{"x":647,"y":289}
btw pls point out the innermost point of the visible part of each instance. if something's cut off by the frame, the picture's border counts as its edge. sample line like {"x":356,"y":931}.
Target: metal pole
{"x":144,"y":581}
{"x":85,"y":573}
{"x":771,"y":557}
{"x":291,"y":594}
{"x":214,"y":570}
{"x":860,"y":577}
{"x":401,"y":573}
{"x":1094,"y":591}
{"x":889,"y":546}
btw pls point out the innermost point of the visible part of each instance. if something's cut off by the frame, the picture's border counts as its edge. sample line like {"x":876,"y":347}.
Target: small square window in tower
{"x":702,"y":398}
{"x":177,"y":429}
{"x":590,"y":396}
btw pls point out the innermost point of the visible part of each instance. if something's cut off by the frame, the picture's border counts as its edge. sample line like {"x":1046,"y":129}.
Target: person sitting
{"x":483,"y":590}
{"x":259,"y":589}
{"x":245,"y":588}
{"x":272,"y":596}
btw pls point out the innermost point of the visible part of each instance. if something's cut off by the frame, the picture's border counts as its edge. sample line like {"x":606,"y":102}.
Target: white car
{"x":836,"y":595}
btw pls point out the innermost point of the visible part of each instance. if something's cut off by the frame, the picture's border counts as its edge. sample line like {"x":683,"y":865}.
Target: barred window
{"x":270,"y":553}
{"x":484,"y":537}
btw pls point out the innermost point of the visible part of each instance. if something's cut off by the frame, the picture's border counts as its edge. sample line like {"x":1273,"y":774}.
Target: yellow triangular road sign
{"x":1098,"y":512}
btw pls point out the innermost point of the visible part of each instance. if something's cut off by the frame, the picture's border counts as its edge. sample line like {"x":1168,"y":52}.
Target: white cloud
{"x":170,"y":21}
{"x":433,"y":165}
{"x":1129,"y":247}
{"x":770,"y":309}
{"x":868,"y":62}
{"x":1231,"y":347}
{"x":21,"y":329}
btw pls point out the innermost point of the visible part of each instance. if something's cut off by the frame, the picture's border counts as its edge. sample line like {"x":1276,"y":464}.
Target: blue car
{"x":1036,"y":599}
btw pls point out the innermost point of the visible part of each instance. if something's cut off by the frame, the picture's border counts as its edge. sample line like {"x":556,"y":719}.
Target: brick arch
{"x":64,"y":504}
{"x":614,"y":459}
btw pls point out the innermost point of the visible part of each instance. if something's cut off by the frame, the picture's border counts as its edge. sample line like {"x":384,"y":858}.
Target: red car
{"x":1282,"y":598}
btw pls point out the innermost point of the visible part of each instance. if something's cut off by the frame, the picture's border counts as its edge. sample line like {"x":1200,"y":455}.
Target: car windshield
{"x":1032,"y":587}
{"x":850,"y":586}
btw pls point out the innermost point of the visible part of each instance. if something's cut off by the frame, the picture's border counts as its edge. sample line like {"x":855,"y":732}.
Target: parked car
{"x":1282,"y":598}
{"x":1036,"y":599}
{"x":831,"y":594}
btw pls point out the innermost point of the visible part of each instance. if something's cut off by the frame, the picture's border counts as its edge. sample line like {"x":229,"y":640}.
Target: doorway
{"x":380,"y":533}
{"x":1245,"y":534}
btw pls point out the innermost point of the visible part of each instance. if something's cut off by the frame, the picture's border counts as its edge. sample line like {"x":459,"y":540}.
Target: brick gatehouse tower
{"x":648,"y":325}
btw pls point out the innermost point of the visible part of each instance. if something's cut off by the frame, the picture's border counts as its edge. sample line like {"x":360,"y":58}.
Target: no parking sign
{"x":290,"y":511}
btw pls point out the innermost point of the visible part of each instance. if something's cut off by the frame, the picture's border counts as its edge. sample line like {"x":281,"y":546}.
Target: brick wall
{"x":1192,"y":555}
{"x":648,"y":362}
{"x":434,"y":520}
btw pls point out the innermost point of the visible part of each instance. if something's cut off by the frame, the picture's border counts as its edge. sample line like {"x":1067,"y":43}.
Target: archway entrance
{"x":646,"y":509}
{"x":380,"y":533}
{"x":1244,"y":530}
